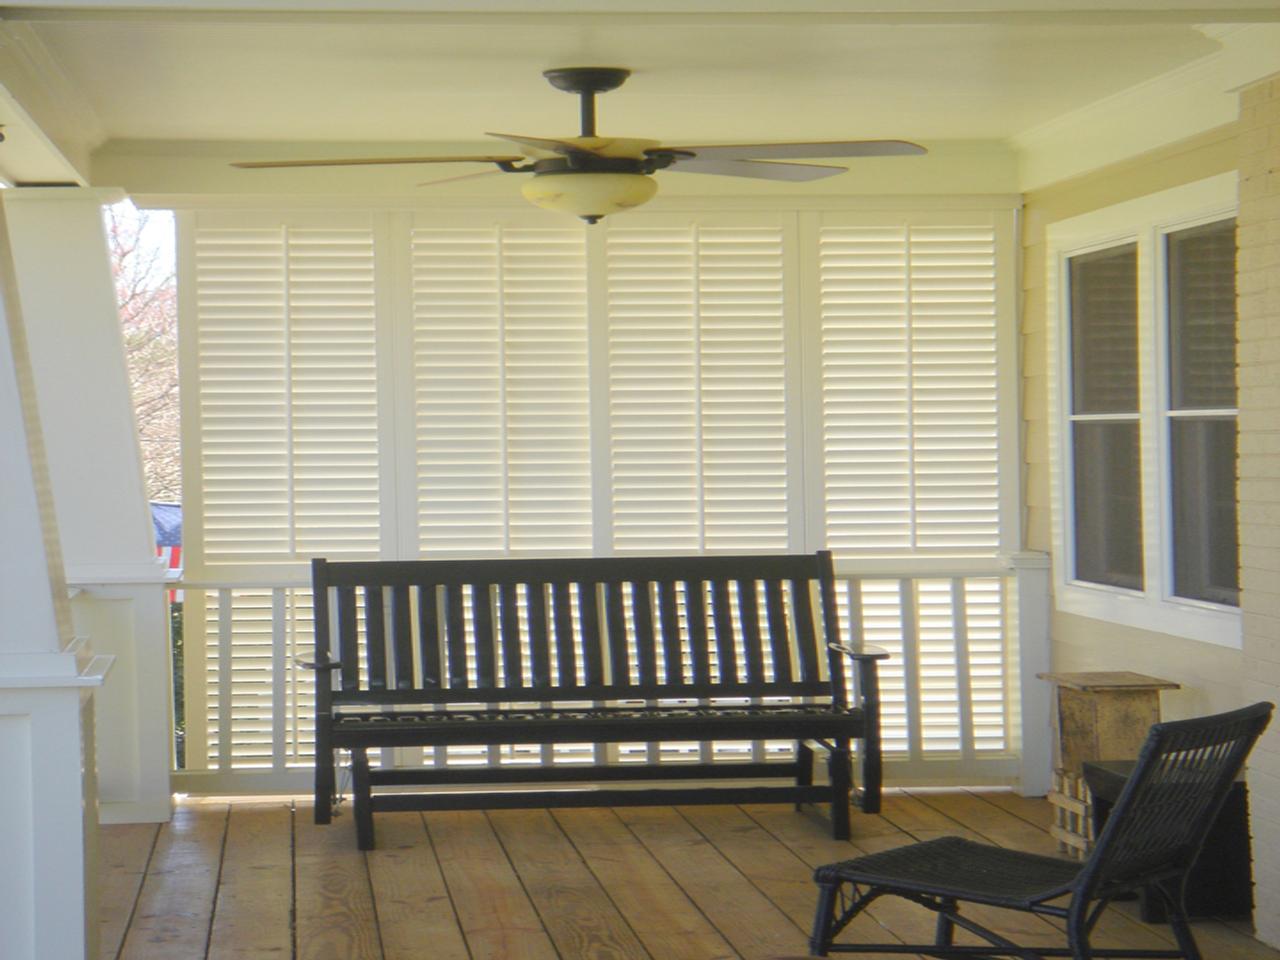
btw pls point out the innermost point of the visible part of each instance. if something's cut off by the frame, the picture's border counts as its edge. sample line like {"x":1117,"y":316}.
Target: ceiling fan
{"x":590,"y":176}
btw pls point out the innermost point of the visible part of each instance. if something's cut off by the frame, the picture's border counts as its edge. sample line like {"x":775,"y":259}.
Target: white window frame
{"x":1145,"y":221}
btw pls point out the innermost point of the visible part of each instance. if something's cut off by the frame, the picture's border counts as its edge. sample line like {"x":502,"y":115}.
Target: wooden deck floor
{"x":258,"y":881}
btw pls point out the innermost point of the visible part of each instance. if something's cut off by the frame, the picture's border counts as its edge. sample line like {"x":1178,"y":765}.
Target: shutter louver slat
{"x":501,"y":391}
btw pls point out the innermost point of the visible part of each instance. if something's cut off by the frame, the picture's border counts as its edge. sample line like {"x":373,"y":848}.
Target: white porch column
{"x":63,"y":277}
{"x":47,"y":804}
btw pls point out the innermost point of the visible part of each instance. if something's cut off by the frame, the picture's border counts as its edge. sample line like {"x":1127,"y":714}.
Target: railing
{"x":960,"y":702}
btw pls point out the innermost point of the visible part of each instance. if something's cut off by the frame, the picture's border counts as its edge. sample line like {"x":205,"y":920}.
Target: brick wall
{"x":1259,"y":379}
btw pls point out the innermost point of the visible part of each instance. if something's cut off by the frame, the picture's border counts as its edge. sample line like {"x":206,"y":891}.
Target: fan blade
{"x":543,"y":143}
{"x":370,"y":161}
{"x":757,"y":170}
{"x":465,"y":176}
{"x":803,"y":151}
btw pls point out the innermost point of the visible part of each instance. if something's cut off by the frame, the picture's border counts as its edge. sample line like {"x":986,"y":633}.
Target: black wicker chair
{"x":1152,"y":838}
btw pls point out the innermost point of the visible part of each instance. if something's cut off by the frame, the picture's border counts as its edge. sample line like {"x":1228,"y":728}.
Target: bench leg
{"x":326,"y":781}
{"x":362,"y":797}
{"x":804,"y":766}
{"x":841,"y":773}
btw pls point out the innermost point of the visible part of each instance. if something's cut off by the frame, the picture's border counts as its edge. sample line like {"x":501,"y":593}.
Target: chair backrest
{"x":437,"y":631}
{"x":1160,"y":820}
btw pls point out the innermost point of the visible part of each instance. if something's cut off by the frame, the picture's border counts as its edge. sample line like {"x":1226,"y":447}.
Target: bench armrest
{"x":867,"y":692}
{"x":864,"y":655}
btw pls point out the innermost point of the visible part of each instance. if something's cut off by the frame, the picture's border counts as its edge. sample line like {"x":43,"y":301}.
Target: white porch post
{"x":48,"y":803}
{"x":63,"y":277}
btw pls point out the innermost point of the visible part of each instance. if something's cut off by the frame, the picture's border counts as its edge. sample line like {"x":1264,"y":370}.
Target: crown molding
{"x":1173,"y":106}
{"x":45,"y":112}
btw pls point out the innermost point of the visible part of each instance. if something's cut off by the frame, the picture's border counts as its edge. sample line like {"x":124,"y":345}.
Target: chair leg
{"x":945,"y":930}
{"x":1078,"y":933}
{"x":804,"y":766}
{"x":823,"y":919}
{"x":841,"y":774}
{"x":1175,"y":907}
{"x":362,"y":797}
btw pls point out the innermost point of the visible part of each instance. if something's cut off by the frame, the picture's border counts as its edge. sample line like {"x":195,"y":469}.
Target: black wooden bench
{"x":443,"y":653}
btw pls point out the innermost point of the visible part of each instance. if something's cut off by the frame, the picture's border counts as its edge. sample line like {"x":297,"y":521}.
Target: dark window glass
{"x":1206,"y":557}
{"x":1202,"y":316}
{"x":1108,"y":501}
{"x":1104,"y":331}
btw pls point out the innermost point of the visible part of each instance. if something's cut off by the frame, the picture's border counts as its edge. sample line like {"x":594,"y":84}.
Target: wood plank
{"x":1034,"y":810}
{"x":334,"y":908}
{"x":575,"y":909}
{"x":176,"y":902}
{"x":495,"y":913}
{"x":780,"y":873}
{"x":252,"y":914}
{"x":414,"y":908}
{"x":810,"y":839}
{"x":745,"y":917}
{"x":123,"y":852}
{"x":668,"y":924}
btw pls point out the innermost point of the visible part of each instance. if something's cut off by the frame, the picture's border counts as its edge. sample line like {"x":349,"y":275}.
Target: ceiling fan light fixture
{"x":589,"y":196}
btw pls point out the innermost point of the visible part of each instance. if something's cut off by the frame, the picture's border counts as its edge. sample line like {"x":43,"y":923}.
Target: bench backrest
{"x":477,"y":631}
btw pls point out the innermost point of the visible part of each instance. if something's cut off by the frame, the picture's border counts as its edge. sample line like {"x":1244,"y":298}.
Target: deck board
{"x":260,"y":881}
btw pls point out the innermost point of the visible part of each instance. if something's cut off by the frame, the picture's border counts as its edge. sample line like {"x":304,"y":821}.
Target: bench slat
{"x":562,"y":617}
{"x":455,"y":634}
{"x":429,"y":636}
{"x":483,"y":636}
{"x":804,"y":626}
{"x":753,"y":652}
{"x":375,"y":638}
{"x":615,"y":617}
{"x":779,"y":640}
{"x":642,"y":613}
{"x":512,"y":655}
{"x":589,"y":620}
{"x":695,"y":610}
{"x":669,"y":623}
{"x":402,"y":638}
{"x":348,"y":638}
{"x":722,"y":617}
{"x":539,"y":643}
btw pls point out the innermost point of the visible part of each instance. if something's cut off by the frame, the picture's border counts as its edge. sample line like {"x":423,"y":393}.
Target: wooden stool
{"x":1099,"y":716}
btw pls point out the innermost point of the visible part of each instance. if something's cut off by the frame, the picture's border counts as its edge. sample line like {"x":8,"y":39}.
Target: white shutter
{"x":286,"y":431}
{"x":500,"y":391}
{"x":909,"y":376}
{"x":697,"y":398}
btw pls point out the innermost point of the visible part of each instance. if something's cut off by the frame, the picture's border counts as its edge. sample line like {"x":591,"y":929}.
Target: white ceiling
{"x":341,"y":75}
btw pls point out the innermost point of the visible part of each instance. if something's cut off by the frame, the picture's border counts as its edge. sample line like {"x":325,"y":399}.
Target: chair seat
{"x":961,"y":869}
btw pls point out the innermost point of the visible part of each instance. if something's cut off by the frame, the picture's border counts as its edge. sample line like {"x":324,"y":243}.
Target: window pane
{"x":1202,"y":316}
{"x":1104,"y":331}
{"x":1108,"y":532}
{"x":1204,"y":509}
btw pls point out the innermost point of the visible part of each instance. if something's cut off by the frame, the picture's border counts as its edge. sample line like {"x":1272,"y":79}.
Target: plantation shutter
{"x":697,"y":388}
{"x":500,"y":408}
{"x":909,"y":376}
{"x":286,"y":419}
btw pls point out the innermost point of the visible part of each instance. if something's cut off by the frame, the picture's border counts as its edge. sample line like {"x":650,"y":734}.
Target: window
{"x":1143,"y":312}
{"x":398,"y":385}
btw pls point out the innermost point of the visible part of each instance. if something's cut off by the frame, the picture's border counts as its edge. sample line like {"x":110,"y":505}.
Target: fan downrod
{"x":587,"y":82}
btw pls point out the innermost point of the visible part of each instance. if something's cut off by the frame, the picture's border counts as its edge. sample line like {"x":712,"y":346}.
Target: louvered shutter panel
{"x":500,"y":391}
{"x":286,"y":431}
{"x":909,"y":420}
{"x":697,"y":399}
